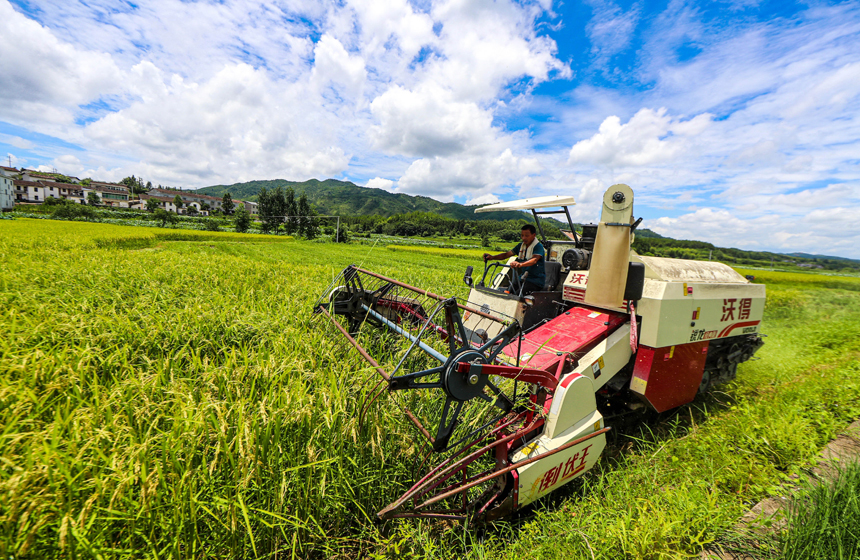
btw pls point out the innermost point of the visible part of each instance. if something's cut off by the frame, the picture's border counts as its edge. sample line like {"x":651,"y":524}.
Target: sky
{"x":735,"y":122}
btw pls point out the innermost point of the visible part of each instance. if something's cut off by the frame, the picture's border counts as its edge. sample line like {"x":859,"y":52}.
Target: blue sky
{"x":735,"y":122}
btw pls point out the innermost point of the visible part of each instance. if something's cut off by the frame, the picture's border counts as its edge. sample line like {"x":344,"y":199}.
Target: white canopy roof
{"x":529,"y":203}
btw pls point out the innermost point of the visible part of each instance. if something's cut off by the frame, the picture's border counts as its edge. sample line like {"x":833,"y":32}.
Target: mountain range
{"x":343,"y":198}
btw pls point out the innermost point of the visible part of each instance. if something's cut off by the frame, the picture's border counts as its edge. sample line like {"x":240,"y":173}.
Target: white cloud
{"x":44,"y":78}
{"x":485,"y":44}
{"x":428,"y":122}
{"x":239,"y":124}
{"x":488,"y":198}
{"x":831,"y":231}
{"x":611,"y":29}
{"x":68,"y":165}
{"x":799,"y":203}
{"x":332,"y":64}
{"x":649,"y":137}
{"x":380,"y":183}
{"x":381,"y":22}
{"x":445,"y":177}
{"x":777,"y":121}
{"x":16,"y":141}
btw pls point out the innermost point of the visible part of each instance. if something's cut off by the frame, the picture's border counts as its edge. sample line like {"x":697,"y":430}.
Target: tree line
{"x":280,"y":211}
{"x":428,"y":224}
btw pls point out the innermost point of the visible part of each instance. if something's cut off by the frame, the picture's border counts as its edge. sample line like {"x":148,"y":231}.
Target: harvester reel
{"x":474,"y":405}
{"x":460,"y":385}
{"x":347,"y":304}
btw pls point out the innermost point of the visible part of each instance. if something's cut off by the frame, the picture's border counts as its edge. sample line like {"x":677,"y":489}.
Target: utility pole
{"x":710,"y":254}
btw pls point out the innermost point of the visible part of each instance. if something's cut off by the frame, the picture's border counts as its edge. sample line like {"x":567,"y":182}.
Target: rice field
{"x":168,"y":394}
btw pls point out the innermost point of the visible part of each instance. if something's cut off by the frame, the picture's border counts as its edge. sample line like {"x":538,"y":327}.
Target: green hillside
{"x":333,"y":197}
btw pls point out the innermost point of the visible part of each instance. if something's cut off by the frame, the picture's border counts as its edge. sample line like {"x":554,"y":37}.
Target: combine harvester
{"x":512,"y":394}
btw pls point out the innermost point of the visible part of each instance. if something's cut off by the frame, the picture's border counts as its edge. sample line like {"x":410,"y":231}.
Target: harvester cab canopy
{"x":535,"y":204}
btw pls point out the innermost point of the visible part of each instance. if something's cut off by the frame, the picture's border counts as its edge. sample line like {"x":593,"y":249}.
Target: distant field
{"x":167,"y":394}
{"x":438,"y":251}
{"x":26,"y":233}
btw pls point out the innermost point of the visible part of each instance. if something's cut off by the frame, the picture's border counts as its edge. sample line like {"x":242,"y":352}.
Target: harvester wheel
{"x":705,"y":385}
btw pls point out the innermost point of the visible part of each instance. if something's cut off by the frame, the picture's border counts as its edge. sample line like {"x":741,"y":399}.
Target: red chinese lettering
{"x":571,"y":467}
{"x":577,"y":278}
{"x":550,"y":477}
{"x":575,"y":464}
{"x":728,"y":309}
{"x":744,"y":308}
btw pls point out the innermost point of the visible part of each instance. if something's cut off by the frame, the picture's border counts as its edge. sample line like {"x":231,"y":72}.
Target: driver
{"x":530,"y":258}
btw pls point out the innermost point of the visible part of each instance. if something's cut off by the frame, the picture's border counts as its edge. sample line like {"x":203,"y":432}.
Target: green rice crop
{"x":439,"y":251}
{"x":168,"y":394}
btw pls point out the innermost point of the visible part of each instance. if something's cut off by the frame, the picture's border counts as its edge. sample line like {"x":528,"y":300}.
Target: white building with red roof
{"x":214,"y":202}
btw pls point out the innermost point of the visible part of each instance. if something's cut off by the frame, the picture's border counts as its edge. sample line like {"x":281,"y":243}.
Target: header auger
{"x":514,"y":389}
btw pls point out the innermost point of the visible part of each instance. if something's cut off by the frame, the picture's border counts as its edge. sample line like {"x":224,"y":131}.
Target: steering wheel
{"x":516,"y":282}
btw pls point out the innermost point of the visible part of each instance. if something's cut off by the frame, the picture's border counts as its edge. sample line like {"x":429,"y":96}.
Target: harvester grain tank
{"x":521,"y":390}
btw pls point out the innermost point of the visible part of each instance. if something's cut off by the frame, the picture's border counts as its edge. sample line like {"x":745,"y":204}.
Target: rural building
{"x":29,"y":186}
{"x":166,"y":202}
{"x":110,"y":194}
{"x":28,"y":191}
{"x":39,"y":191}
{"x":7,"y":196}
{"x":31,"y":175}
{"x":70,"y":191}
{"x":214,"y":202}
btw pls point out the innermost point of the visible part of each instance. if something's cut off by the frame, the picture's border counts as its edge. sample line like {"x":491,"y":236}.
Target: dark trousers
{"x":529,"y":288}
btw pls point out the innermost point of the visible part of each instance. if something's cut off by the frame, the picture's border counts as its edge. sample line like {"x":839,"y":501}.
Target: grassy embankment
{"x":174,"y":398}
{"x":818,"y":522}
{"x":822,"y":521}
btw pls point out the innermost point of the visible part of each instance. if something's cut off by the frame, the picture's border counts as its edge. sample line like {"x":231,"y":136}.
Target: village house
{"x":39,"y":191}
{"x":32,"y":175}
{"x":28,"y":191}
{"x":110,"y":194}
{"x":7,"y":196}
{"x":70,"y":191}
{"x":214,"y":202}
{"x":34,"y":187}
{"x":165,"y":202}
{"x":7,"y":187}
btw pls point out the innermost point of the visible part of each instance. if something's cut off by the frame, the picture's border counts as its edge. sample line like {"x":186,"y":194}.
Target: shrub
{"x":164,"y":217}
{"x":71,"y":211}
{"x":243,"y":219}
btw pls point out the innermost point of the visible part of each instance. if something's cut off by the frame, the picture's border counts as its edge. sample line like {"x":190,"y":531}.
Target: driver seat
{"x":552,"y":270}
